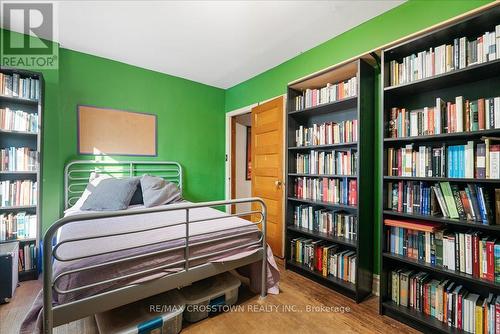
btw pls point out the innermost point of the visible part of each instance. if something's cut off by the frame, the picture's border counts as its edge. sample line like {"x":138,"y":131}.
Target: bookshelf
{"x":22,"y":130}
{"x":356,"y":106}
{"x":472,"y":82}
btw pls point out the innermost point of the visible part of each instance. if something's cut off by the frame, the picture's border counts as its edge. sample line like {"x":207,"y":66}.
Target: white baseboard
{"x":376,"y":285}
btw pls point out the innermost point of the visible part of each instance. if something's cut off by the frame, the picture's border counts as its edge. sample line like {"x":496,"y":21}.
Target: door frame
{"x":229,"y":148}
{"x":229,"y":158}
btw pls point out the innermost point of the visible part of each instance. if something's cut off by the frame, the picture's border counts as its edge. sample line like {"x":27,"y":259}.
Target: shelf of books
{"x":329,"y":210}
{"x":440,"y":235}
{"x":20,"y":142}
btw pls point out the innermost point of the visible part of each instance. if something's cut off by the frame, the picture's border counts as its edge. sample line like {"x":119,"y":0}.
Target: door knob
{"x":278,"y":183}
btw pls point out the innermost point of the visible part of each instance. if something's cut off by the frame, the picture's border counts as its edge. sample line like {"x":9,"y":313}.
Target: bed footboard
{"x":122,"y":295}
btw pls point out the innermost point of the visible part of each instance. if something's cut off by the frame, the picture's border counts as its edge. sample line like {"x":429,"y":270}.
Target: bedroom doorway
{"x":241,"y":165}
{"x":255,"y":159}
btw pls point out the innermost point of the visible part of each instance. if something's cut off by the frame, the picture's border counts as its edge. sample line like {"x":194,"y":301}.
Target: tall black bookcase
{"x":32,"y":140}
{"x":481,"y":80}
{"x":359,"y":107}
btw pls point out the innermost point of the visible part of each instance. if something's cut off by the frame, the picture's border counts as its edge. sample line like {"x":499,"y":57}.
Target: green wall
{"x":52,"y":169}
{"x":190,"y":121}
{"x":410,"y":17}
{"x":190,"y":117}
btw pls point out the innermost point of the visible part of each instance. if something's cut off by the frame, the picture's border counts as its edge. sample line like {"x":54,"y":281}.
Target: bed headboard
{"x":77,"y":173}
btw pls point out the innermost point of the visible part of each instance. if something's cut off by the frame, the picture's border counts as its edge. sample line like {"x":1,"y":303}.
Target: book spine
{"x":490,"y":261}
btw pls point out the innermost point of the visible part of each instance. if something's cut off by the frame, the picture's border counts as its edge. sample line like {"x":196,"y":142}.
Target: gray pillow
{"x":157,"y":191}
{"x":110,"y":194}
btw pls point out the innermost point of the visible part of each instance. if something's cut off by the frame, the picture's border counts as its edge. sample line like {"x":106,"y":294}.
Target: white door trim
{"x":229,"y":115}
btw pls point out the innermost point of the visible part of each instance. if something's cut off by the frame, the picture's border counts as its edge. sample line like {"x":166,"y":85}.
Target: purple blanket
{"x":238,"y":232}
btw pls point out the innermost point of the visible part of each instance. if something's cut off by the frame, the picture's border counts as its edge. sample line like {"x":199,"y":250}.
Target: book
{"x":328,"y":259}
{"x":327,"y":133}
{"x":465,"y":202}
{"x":459,"y":53}
{"x":19,"y":87}
{"x":459,"y":114}
{"x":327,"y":94}
{"x":496,"y":254}
{"x":336,"y":223}
{"x":470,"y":160}
{"x":18,"y":120}
{"x":455,"y":251}
{"x":18,"y":193}
{"x":17,"y":226}
{"x":337,"y":191}
{"x":18,"y":159}
{"x":396,"y":294}
{"x":27,"y":257}
{"x":404,"y":278}
{"x":497,"y":206}
{"x":412,"y":224}
{"x":444,"y":300}
{"x":481,"y":161}
{"x":449,"y":199}
{"x":327,"y":163}
{"x":494,"y":161}
{"x":439,"y":111}
{"x":458,"y":202}
{"x":474,"y":116}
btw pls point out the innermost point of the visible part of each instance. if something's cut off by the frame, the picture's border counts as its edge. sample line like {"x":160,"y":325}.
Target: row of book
{"x":327,"y":133}
{"x":425,"y":162}
{"x":18,"y":193}
{"x":446,"y":301}
{"x":335,"y":223}
{"x":334,"y":191}
{"x":468,"y":252}
{"x":446,"y":57}
{"x":329,"y":93}
{"x":15,"y":86}
{"x":27,"y":257}
{"x":445,"y":117}
{"x":18,"y":120}
{"x":331,"y":163}
{"x":17,"y":226}
{"x":470,"y":202}
{"x":18,"y":159}
{"x":481,"y":160}
{"x":326,"y":258}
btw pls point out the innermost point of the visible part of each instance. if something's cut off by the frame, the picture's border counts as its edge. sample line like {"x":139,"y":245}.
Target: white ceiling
{"x":219,"y":43}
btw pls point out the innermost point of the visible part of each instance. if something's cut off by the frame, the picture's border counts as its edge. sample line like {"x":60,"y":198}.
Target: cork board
{"x":103,"y":131}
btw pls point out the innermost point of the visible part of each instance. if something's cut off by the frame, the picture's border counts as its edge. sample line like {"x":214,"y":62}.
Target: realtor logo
{"x":28,"y":35}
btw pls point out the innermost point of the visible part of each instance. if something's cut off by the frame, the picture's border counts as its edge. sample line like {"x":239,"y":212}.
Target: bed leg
{"x":263,"y":283}
{"x":47,"y":312}
{"x":48,"y":320}
{"x":47,"y":323}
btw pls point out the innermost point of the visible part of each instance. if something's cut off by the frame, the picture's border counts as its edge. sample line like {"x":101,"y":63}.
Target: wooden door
{"x":267,"y":167}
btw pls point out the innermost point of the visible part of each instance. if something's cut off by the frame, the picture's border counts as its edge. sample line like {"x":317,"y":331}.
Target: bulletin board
{"x":104,"y":131}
